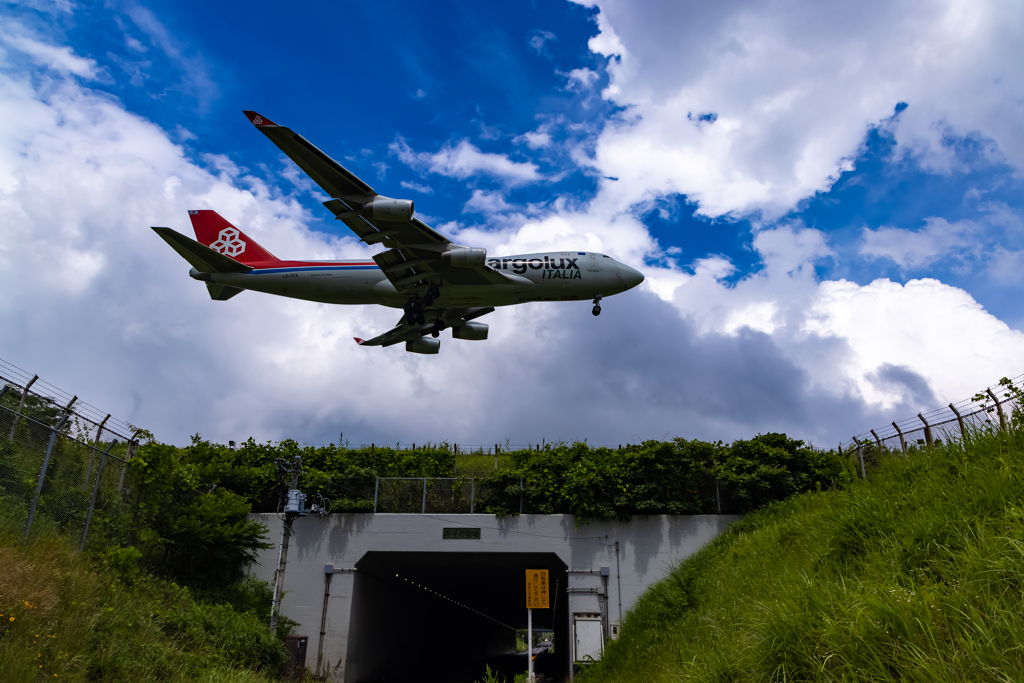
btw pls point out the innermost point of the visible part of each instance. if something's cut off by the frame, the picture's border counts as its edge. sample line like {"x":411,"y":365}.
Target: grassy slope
{"x":914,"y":576}
{"x":62,"y":620}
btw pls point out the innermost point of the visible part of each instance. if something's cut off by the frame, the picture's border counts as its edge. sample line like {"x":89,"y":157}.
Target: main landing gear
{"x":414,"y":309}
{"x":597,"y":305}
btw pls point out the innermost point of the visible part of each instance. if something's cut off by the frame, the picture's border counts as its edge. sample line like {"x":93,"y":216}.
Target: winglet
{"x":359,"y":341}
{"x":257,"y":120}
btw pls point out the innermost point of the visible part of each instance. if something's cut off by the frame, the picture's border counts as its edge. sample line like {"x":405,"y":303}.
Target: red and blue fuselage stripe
{"x":299,"y":266}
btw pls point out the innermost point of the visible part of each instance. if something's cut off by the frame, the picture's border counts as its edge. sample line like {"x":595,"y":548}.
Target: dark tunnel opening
{"x":423,"y":616}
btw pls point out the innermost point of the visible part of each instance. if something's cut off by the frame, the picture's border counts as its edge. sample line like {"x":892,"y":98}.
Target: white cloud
{"x":464,"y":160}
{"x":59,"y":58}
{"x":416,"y":187}
{"x":795,"y":84}
{"x":580,"y":79}
{"x":486,"y":202}
{"x":538,"y":39}
{"x":917,"y":248}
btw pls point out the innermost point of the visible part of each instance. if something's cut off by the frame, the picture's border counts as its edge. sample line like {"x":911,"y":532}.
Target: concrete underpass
{"x":444,"y":616}
{"x":425,"y":597}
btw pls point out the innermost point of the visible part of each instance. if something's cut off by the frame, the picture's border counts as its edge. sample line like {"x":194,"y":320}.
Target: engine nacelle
{"x":472,"y":331}
{"x":465,"y":257}
{"x":385,"y":209}
{"x":426,"y":345}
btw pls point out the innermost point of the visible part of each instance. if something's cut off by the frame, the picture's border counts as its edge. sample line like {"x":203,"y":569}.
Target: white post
{"x":529,"y":644}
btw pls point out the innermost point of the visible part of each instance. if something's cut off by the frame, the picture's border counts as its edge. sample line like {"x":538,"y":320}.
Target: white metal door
{"x":588,"y":638}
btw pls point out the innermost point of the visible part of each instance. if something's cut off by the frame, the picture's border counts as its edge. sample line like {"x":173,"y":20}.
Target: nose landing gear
{"x":597,"y":305}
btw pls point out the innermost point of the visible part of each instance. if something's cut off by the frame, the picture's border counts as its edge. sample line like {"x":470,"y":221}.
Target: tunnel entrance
{"x":443,"y":617}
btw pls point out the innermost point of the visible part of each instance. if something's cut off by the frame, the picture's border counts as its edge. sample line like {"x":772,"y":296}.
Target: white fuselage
{"x":552,"y":276}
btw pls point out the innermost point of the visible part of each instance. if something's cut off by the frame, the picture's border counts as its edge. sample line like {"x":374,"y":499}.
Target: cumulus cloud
{"x":795,"y":84}
{"x":59,"y":58}
{"x":463,"y":160}
{"x":917,"y":248}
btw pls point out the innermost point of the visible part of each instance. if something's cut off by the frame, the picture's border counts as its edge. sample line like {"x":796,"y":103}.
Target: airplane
{"x":438,"y":284}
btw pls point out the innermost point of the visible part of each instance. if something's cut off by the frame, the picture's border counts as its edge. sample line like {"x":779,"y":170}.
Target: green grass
{"x":480,"y":465}
{"x":916,"y":575}
{"x":64,"y":619}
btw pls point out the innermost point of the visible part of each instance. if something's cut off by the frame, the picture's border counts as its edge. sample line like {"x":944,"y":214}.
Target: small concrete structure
{"x":421,"y":595}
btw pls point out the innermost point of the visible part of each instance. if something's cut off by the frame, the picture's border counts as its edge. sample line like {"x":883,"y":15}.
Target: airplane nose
{"x":630,"y":277}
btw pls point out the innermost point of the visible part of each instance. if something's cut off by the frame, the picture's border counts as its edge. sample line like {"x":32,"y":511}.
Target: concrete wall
{"x":648,"y":549}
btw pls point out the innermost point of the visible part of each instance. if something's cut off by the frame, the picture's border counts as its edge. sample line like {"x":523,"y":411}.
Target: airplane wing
{"x":408,"y":331}
{"x":413,"y":262}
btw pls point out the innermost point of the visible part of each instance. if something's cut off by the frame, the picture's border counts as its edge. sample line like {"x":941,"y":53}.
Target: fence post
{"x":376,"y":489}
{"x":860,"y":455}
{"x":718,"y":498}
{"x":424,"y":510}
{"x":42,"y":473}
{"x":927,"y":430}
{"x":999,"y":407}
{"x":132,"y":447}
{"x":95,"y":492}
{"x":472,"y":493}
{"x":21,"y":404}
{"x":878,"y":442}
{"x":521,"y":491}
{"x":903,"y":442}
{"x":96,"y":446}
{"x":959,"y":418}
{"x":4,"y":390}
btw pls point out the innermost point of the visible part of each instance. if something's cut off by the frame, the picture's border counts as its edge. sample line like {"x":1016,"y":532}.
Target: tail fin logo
{"x":228,"y":243}
{"x":257,"y":120}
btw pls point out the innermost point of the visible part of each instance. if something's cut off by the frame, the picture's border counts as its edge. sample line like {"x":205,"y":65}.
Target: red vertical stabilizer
{"x":217,"y":234}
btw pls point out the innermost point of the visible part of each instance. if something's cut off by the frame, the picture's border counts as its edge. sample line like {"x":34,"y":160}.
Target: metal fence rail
{"x":992,"y":408}
{"x":63,"y":464}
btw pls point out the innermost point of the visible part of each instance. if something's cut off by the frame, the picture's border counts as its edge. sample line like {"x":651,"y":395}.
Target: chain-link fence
{"x":988,"y":409}
{"x":63,"y":470}
{"x":425,"y":494}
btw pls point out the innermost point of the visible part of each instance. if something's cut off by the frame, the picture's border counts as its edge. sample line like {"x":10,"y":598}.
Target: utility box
{"x":587,"y":637}
{"x":295,"y":667}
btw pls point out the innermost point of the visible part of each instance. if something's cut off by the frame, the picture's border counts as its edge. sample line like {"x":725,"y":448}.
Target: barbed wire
{"x":56,"y":397}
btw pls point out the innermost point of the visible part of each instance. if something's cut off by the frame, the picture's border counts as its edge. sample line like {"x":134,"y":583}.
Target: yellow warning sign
{"x":537,"y":589}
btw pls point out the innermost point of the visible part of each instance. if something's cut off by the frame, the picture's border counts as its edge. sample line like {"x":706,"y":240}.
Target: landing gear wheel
{"x":597,"y":310}
{"x":420,"y":318}
{"x":435,"y":334}
{"x":433,"y":292}
{"x":428,"y":300}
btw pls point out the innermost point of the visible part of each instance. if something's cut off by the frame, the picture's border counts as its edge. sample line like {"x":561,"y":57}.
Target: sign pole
{"x":529,"y":644}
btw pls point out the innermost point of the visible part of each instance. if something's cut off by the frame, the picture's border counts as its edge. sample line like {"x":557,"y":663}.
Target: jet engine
{"x":423,"y":345}
{"x":473,"y":331}
{"x":385,"y":209}
{"x":465,"y":257}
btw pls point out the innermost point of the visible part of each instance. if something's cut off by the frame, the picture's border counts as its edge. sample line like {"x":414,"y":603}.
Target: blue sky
{"x":798,"y":183}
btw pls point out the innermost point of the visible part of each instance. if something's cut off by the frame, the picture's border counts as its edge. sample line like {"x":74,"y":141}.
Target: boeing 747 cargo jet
{"x":436,"y":283}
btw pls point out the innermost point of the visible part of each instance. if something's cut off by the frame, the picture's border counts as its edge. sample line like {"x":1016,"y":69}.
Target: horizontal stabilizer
{"x":202,"y":258}
{"x":222,"y":292}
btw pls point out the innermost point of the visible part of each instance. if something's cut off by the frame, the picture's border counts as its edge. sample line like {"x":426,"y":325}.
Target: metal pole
{"x":424,"y":510}
{"x":521,"y":490}
{"x":286,"y":532}
{"x":903,"y":443}
{"x":860,"y":454}
{"x":999,"y":407}
{"x":927,"y":430}
{"x":132,"y":446}
{"x":718,"y":499}
{"x":21,"y":404}
{"x":328,"y":573}
{"x":95,"y":447}
{"x":95,"y":492}
{"x":4,"y":390}
{"x":472,"y":493}
{"x":376,"y":489}
{"x":529,"y":644}
{"x":42,"y":474}
{"x":959,"y":418}
{"x":618,"y":582}
{"x":878,"y":442}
